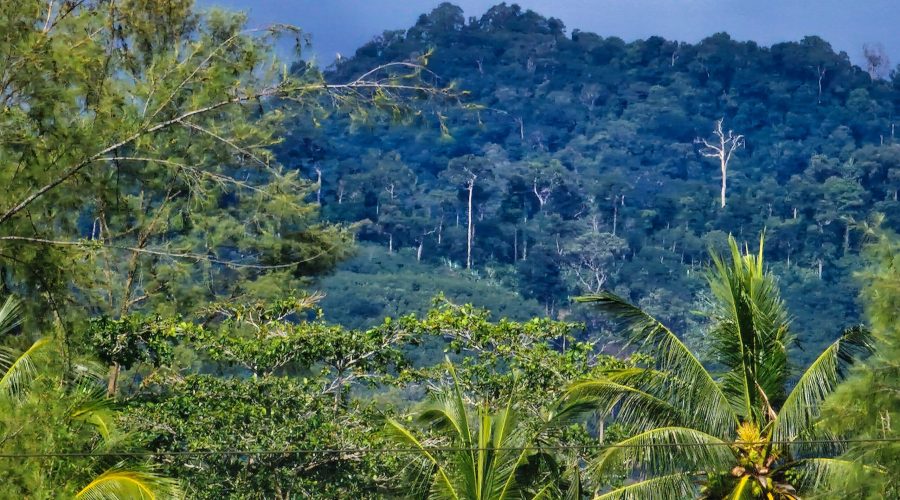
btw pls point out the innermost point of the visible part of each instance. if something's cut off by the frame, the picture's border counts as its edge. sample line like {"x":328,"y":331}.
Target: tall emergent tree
{"x":737,"y":430}
{"x":134,"y":155}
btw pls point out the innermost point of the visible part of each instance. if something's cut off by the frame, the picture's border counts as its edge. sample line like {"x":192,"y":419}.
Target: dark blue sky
{"x":340,"y":26}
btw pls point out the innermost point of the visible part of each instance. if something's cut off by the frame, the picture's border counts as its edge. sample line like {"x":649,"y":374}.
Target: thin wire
{"x":312,"y":451}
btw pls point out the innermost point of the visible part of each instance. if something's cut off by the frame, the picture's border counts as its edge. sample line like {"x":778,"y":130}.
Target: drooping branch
{"x":369,"y":81}
{"x":88,"y":244}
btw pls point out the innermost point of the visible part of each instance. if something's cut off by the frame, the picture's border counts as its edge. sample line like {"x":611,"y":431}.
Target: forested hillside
{"x":580,"y":159}
{"x":176,"y":196}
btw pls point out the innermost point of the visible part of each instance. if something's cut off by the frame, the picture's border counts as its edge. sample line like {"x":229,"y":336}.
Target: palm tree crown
{"x":484,"y":455}
{"x":735,"y":430}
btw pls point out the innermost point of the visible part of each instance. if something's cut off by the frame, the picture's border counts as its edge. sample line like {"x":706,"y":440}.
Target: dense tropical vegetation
{"x":224,"y":275}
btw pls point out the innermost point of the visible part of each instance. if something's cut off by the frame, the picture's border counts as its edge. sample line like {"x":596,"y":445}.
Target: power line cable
{"x":437,"y":449}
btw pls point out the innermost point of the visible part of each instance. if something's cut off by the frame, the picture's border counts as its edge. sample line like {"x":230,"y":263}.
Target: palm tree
{"x":487,"y":456}
{"x":737,"y":432}
{"x":32,"y":394}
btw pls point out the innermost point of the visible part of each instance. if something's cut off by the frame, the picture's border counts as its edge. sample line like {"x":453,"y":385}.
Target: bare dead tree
{"x":521,"y":123}
{"x":470,"y":232}
{"x":542,"y":193}
{"x":722,"y":149}
{"x":820,"y":71}
{"x":877,"y":60}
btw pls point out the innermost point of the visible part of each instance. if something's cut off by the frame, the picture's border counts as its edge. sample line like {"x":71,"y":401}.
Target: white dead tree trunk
{"x":318,"y":186}
{"x":521,"y":123}
{"x":542,"y":193}
{"x":470,"y":185}
{"x":821,"y":72}
{"x":722,"y":149}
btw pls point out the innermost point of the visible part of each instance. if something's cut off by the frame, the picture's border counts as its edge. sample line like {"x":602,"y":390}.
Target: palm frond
{"x":399,"y":433}
{"x":742,"y":490}
{"x":666,"y":450}
{"x":671,"y":356}
{"x":90,"y":402}
{"x":575,"y":491}
{"x":569,"y":410}
{"x":119,"y":484}
{"x":98,"y":414}
{"x":750,"y":331}
{"x":505,"y":436}
{"x":10,"y":315}
{"x":631,"y":406}
{"x":818,"y":381}
{"x":816,"y":474}
{"x":21,"y":369}
{"x":668,"y":487}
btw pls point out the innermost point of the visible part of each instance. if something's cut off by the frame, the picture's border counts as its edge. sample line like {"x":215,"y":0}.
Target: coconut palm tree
{"x":737,"y":431}
{"x":480,"y":455}
{"x":36,"y":393}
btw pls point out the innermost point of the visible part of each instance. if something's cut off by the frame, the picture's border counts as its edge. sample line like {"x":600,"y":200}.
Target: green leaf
{"x":19,"y":370}
{"x":818,"y":381}
{"x":670,"y":355}
{"x":666,"y":450}
{"x":119,"y":484}
{"x":667,"y":487}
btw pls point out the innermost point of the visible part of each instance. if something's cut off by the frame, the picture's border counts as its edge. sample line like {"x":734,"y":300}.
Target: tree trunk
{"x":615,"y":217}
{"x":846,"y":238}
{"x":471,"y":231}
{"x":515,"y":244}
{"x":318,"y":186}
{"x":724,"y":181}
{"x":113,"y":379}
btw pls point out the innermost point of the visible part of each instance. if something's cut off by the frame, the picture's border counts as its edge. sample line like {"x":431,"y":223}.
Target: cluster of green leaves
{"x":536,"y":357}
{"x":135,"y":339}
{"x":302,"y":384}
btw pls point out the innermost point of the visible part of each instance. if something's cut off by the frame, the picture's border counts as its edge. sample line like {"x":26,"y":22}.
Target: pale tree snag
{"x":722,"y":149}
{"x":470,"y":233}
{"x":542,"y":193}
{"x":820,"y":70}
{"x":420,"y":244}
{"x":318,"y":186}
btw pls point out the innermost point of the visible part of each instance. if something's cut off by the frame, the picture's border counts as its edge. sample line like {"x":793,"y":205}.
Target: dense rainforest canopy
{"x":480,"y":259}
{"x":588,"y":171}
